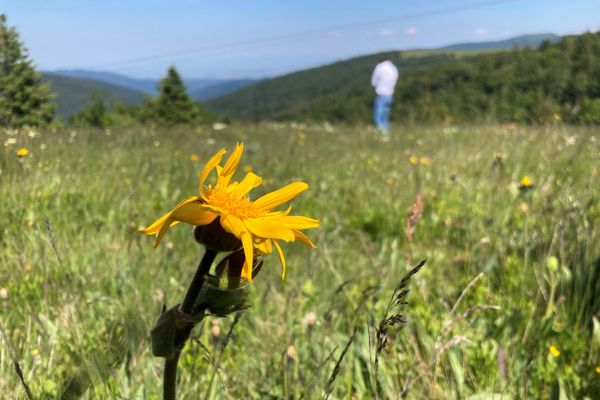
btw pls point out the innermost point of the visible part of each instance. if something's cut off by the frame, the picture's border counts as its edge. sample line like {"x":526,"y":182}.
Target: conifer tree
{"x":173,"y":104}
{"x":96,"y":113}
{"x":24,"y":99}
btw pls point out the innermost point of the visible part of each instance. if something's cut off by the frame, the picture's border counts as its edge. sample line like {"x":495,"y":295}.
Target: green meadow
{"x":506,"y":306}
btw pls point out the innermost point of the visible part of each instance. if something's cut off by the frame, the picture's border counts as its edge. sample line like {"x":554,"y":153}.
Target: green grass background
{"x":78,"y":322}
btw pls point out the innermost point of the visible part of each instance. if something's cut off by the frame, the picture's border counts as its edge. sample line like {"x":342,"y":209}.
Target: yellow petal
{"x":264,"y":247}
{"x":163,"y":230}
{"x":249,"y":182}
{"x":233,"y":225}
{"x":297,"y":222}
{"x":280,"y":196}
{"x":304,"y":239}
{"x":210,"y":165}
{"x":214,"y":209}
{"x":286,"y":212}
{"x":194,"y":214}
{"x":269,"y":229}
{"x":230,"y":166}
{"x":249,"y":253}
{"x":281,"y":258}
{"x":157,"y":225}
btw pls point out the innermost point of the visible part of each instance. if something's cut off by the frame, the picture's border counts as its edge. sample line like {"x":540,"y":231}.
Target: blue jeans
{"x":381,"y":113}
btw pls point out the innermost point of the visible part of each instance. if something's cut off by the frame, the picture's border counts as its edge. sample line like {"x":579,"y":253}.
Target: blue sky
{"x":254,"y":38}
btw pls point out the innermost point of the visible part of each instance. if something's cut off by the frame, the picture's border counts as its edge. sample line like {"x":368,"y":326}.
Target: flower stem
{"x":194,"y":289}
{"x":182,"y":334}
{"x":170,"y":377}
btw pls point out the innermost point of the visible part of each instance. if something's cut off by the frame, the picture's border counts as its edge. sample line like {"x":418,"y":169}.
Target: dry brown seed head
{"x":310,"y":320}
{"x":215,"y":330}
{"x":291,"y":354}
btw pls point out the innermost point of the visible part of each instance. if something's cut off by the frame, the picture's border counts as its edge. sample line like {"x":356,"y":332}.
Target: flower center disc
{"x":240,"y":207}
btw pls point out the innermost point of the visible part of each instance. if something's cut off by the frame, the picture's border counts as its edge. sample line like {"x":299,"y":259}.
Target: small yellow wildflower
{"x":556,"y":116}
{"x":194,"y":157}
{"x":414,"y":160}
{"x":252,"y":222}
{"x":554,"y":350}
{"x":424,"y":161}
{"x":500,"y":155}
{"x":526,"y":182}
{"x":22,"y":152}
{"x":598,"y":369}
{"x":552,"y":263}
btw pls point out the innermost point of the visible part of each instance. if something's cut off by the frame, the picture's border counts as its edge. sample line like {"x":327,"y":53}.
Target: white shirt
{"x":384,"y":78}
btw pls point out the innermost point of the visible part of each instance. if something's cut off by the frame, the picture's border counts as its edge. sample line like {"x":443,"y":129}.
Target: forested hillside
{"x":72,"y":94}
{"x":220,"y":89}
{"x":275,"y":98}
{"x":525,"y":85}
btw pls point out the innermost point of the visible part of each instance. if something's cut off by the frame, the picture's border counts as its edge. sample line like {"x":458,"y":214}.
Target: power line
{"x":240,"y":45}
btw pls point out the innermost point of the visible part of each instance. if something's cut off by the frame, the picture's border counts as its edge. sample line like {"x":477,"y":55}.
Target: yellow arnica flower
{"x":414,"y":160}
{"x":598,"y":369}
{"x":554,"y":350}
{"x":526,"y":181}
{"x":425,"y":161}
{"x":253,"y":222}
{"x":22,"y":152}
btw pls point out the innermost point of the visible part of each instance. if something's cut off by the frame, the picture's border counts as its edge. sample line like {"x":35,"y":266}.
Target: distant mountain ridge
{"x":147,"y":86}
{"x":73,"y":88}
{"x":220,"y":89}
{"x":150,"y":86}
{"x":519,"y":41}
{"x":267,"y":97}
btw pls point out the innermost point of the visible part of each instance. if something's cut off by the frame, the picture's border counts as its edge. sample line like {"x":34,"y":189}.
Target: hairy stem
{"x":182,"y":335}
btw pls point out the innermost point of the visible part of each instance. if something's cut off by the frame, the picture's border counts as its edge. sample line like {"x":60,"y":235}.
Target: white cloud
{"x":481,"y":31}
{"x":411,"y":30}
{"x":386,"y":32}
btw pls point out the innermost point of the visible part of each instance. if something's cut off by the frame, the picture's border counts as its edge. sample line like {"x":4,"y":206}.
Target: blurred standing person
{"x":384,"y":81}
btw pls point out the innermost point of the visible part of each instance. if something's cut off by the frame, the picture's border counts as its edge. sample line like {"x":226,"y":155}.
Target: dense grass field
{"x":507,"y":305}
